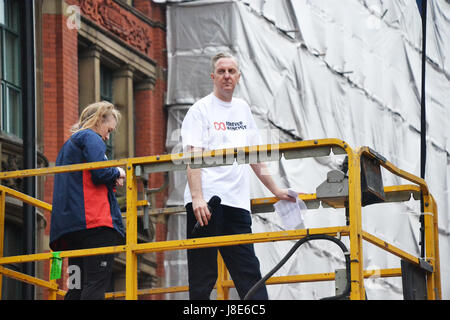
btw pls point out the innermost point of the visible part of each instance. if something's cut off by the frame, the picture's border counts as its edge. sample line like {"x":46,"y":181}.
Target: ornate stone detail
{"x":120,"y":22}
{"x":12,"y":162}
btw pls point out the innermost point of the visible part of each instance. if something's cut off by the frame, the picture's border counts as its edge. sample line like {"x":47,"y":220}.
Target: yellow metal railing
{"x":139,"y":167}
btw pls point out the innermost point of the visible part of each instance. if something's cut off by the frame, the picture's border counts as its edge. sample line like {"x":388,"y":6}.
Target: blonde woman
{"x":85,"y":211}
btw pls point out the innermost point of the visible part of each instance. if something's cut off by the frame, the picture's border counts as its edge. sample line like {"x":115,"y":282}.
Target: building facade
{"x":85,"y":51}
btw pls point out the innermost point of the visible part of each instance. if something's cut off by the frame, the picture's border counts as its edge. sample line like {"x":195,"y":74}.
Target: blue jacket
{"x":83,"y":199}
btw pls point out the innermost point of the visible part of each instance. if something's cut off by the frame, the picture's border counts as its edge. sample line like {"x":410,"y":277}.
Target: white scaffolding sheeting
{"x":314,"y":69}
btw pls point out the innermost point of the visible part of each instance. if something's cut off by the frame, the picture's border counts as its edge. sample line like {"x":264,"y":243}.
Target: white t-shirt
{"x":215,"y":124}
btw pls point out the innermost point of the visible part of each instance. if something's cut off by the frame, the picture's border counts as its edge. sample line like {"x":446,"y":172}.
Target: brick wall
{"x":60,"y":76}
{"x":60,"y":96}
{"x":151,"y":118}
{"x":156,"y":12}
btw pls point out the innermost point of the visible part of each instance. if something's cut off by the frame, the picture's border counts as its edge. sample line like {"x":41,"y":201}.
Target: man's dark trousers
{"x":240,"y":260}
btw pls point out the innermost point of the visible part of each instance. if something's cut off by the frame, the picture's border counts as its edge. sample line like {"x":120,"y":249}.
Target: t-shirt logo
{"x":229,"y":126}
{"x":219,"y":126}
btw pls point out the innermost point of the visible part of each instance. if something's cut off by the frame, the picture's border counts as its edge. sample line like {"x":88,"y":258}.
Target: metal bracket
{"x":425,"y":265}
{"x":378,"y":156}
{"x":340,"y":280}
{"x":333,"y":191}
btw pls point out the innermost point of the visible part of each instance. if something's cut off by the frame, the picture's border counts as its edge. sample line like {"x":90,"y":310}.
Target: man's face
{"x":225,"y":77}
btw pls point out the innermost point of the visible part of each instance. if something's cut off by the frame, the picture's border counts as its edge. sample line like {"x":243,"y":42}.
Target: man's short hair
{"x":220,"y":56}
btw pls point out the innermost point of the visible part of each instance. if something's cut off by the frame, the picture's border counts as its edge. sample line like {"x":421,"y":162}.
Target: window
{"x":106,"y":94}
{"x":12,"y":289}
{"x":10,"y":78}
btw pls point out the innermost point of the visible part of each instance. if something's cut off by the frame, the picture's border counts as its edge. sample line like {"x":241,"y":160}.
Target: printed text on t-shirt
{"x":230,"y":125}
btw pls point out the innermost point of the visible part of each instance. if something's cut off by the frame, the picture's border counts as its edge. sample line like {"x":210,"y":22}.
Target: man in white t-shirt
{"x":220,"y":121}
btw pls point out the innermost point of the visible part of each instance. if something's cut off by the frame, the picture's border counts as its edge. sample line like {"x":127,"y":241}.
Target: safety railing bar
{"x":27,"y":278}
{"x":212,"y":242}
{"x":282,"y":147}
{"x":327,"y":276}
{"x":62,"y":169}
{"x":171,"y":210}
{"x":248,"y":154}
{"x":272,"y":200}
{"x":311,"y":197}
{"x":63,"y":254}
{"x":431,"y":240}
{"x":390,"y":248}
{"x":26,"y":198}
{"x":402,"y":187}
{"x":256,"y":202}
{"x":316,"y":277}
{"x":183,"y":244}
{"x":226,"y":283}
{"x":174,"y":289}
{"x":179,"y":209}
{"x":236,"y":239}
{"x":411,"y":189}
{"x":191,"y":157}
{"x":437,"y":263}
{"x":383,"y":273}
{"x":177,"y":245}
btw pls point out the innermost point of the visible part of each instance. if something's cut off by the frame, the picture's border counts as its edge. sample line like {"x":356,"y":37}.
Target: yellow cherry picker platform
{"x":359,"y":186}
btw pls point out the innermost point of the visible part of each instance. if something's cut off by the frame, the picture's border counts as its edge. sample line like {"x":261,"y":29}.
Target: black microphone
{"x":213,"y":203}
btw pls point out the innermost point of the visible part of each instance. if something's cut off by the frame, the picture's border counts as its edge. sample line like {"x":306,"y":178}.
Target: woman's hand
{"x":122,"y":176}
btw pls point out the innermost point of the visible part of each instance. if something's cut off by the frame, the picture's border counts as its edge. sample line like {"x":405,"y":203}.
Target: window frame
{"x":107,"y":74}
{"x":10,"y":27}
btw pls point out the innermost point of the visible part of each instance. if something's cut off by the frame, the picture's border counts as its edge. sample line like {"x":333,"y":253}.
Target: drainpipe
{"x":29,"y":136}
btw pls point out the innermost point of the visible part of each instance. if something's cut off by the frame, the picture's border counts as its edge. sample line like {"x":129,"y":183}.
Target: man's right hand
{"x":201,"y":211}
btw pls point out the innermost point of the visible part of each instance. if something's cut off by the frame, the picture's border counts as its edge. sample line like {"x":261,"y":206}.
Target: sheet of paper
{"x":291,"y":213}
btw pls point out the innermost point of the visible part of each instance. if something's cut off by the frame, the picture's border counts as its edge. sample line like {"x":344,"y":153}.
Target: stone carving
{"x":120,"y":22}
{"x":12,"y":162}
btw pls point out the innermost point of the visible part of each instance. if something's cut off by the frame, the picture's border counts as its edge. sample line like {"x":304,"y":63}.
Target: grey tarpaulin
{"x":347,"y":69}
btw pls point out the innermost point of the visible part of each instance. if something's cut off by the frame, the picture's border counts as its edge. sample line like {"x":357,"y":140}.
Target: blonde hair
{"x":94,"y":114}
